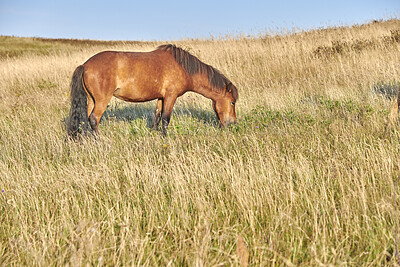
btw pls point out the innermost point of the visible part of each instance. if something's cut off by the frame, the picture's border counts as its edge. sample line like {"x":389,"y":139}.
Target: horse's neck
{"x":206,"y":92}
{"x":201,"y":86}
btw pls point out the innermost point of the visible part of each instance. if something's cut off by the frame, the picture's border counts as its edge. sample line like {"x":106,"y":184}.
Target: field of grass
{"x":308,"y":177}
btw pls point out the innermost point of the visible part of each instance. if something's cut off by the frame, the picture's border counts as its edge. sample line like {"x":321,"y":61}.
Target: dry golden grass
{"x":309,"y":175}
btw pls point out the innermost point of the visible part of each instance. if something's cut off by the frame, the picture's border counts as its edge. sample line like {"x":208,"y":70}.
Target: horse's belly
{"x":137,"y":94}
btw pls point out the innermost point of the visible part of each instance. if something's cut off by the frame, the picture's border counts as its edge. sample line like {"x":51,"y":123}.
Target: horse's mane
{"x":193,"y":65}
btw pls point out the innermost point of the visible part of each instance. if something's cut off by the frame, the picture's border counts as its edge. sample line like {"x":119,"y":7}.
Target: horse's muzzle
{"x":229,"y":122}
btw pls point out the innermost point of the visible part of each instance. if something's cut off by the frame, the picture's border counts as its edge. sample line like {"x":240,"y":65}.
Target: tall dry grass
{"x":309,"y":175}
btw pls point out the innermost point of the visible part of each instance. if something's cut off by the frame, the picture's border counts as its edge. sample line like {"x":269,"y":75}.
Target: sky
{"x":174,"y":20}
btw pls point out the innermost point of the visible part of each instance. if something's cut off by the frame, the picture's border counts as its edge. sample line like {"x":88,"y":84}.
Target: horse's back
{"x":114,"y":62}
{"x":133,"y":76}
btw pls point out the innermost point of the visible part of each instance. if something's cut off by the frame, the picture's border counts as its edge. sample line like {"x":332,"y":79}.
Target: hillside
{"x":309,"y":175}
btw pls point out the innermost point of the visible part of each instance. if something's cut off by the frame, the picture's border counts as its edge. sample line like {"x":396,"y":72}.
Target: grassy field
{"x":308,"y":177}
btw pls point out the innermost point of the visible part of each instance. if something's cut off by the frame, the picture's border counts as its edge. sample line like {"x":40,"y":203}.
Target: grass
{"x":309,"y":175}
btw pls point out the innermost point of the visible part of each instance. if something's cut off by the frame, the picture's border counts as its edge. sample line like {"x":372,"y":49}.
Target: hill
{"x":309,"y":175}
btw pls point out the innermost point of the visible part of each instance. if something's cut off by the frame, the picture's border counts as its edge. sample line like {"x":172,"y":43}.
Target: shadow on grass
{"x":136,"y":111}
{"x":388,"y":90}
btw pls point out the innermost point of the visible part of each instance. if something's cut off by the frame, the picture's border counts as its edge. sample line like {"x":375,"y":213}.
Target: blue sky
{"x":172,"y":20}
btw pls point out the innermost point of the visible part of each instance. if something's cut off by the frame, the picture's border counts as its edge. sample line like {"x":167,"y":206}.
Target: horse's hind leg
{"x":93,"y":123}
{"x":98,"y":110}
{"x":157,"y":114}
{"x":90,"y":110}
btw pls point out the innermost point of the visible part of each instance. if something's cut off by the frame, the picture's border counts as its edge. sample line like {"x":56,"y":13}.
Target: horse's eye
{"x":233,"y":103}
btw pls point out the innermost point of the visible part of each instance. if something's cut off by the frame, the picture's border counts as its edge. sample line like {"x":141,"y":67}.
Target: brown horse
{"x":164,"y":74}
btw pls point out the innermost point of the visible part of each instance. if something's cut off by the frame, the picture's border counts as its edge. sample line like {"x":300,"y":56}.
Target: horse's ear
{"x":229,"y":87}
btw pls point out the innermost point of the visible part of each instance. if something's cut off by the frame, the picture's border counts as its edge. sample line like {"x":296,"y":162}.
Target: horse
{"x":163,"y":74}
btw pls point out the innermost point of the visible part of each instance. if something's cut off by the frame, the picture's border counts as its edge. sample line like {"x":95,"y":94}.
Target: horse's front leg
{"x":158,"y":113}
{"x":166,"y":113}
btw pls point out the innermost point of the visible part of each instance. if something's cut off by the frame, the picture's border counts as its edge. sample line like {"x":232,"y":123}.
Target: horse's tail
{"x":78,"y":119}
{"x":395,"y":109}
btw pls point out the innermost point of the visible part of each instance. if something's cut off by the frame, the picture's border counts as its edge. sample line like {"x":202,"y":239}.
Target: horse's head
{"x":224,"y":106}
